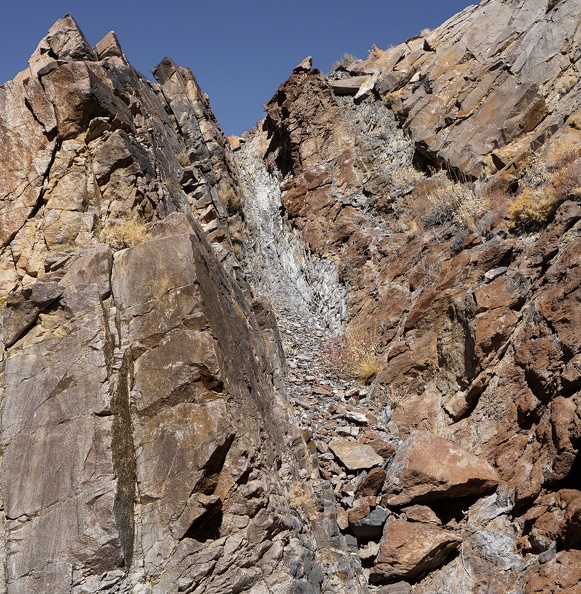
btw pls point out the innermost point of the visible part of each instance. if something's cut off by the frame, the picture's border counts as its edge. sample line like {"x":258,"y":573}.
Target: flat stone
{"x":495,"y":272}
{"x":355,"y":456}
{"x":397,"y":588}
{"x":348,"y":86}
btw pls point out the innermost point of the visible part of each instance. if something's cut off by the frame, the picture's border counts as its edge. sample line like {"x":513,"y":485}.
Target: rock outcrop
{"x":340,"y":354}
{"x":141,"y":420}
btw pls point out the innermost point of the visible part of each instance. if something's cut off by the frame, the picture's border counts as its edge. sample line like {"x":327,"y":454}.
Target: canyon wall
{"x":179,"y":411}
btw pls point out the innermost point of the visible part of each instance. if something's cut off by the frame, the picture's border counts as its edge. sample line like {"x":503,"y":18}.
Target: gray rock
{"x":371,"y":526}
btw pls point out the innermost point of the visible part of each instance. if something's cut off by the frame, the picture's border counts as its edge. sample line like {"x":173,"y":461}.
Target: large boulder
{"x":427,"y":467}
{"x":409,"y":549}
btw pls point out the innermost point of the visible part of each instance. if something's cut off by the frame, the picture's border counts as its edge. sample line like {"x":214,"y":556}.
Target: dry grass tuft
{"x":355,"y":355}
{"x":123,"y":234}
{"x":300,"y":498}
{"x":346,"y":60}
{"x":454,"y":202}
{"x":404,"y":179}
{"x":375,"y":53}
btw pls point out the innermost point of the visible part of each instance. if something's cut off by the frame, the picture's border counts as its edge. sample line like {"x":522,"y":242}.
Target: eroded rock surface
{"x":183,"y":405}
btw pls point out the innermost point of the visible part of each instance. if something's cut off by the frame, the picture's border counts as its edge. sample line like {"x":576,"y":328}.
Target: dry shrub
{"x":375,"y":53}
{"x":184,"y":160}
{"x":346,"y":60}
{"x":535,"y":172}
{"x":536,"y":204}
{"x":497,"y":199}
{"x":454,"y":202}
{"x":412,"y":229}
{"x":355,"y":354}
{"x":566,"y":179}
{"x":531,"y":209}
{"x":300,"y":498}
{"x":574,"y":121}
{"x":123,"y":234}
{"x":404,"y":179}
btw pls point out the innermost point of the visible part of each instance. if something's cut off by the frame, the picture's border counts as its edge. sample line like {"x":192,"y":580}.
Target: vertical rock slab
{"x":204,"y":427}
{"x":58,"y":478}
{"x":26,"y":152}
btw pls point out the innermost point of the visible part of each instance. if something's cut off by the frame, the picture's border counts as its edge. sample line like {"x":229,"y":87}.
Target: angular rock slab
{"x":355,"y":456}
{"x":427,"y":467}
{"x":409,"y":549}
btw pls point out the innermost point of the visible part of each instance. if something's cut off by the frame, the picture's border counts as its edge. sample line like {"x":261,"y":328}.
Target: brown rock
{"x":426,"y":468}
{"x":560,"y":575}
{"x":420,"y":513}
{"x":361,"y":508}
{"x":384,"y":447}
{"x":372,"y":484}
{"x":408,"y":549}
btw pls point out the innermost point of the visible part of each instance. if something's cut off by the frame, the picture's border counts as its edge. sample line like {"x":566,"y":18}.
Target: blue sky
{"x":239,"y":51}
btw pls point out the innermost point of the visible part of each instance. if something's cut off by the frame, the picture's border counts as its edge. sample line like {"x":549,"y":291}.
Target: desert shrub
{"x":429,"y":268}
{"x":184,"y":160}
{"x":123,"y":234}
{"x":532,"y":208}
{"x":536,"y":204}
{"x":412,"y":229}
{"x":375,"y":53}
{"x":566,"y":179}
{"x":535,"y":172}
{"x":355,"y":354}
{"x":404,"y":179}
{"x":453,"y":202}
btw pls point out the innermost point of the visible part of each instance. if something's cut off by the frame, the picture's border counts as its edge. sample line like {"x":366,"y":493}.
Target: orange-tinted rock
{"x":372,"y":484}
{"x":420,"y":513}
{"x":361,"y":508}
{"x":427,"y":468}
{"x":560,"y":575}
{"x":408,"y":549}
{"x":492,"y":329}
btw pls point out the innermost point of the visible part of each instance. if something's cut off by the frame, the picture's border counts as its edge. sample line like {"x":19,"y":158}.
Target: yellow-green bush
{"x":535,"y":206}
{"x":123,"y":234}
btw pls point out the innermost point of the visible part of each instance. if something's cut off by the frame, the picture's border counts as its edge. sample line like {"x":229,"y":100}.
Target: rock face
{"x":319,"y":358}
{"x":140,"y":415}
{"x":492,"y":82}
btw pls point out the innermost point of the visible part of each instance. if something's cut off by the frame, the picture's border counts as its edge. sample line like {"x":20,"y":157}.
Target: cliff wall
{"x":340,"y":354}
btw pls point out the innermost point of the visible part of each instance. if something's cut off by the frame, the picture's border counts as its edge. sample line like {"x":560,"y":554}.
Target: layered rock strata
{"x":177,"y":413}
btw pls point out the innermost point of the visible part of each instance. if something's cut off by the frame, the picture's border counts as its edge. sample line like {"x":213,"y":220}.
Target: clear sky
{"x":240,"y":51}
